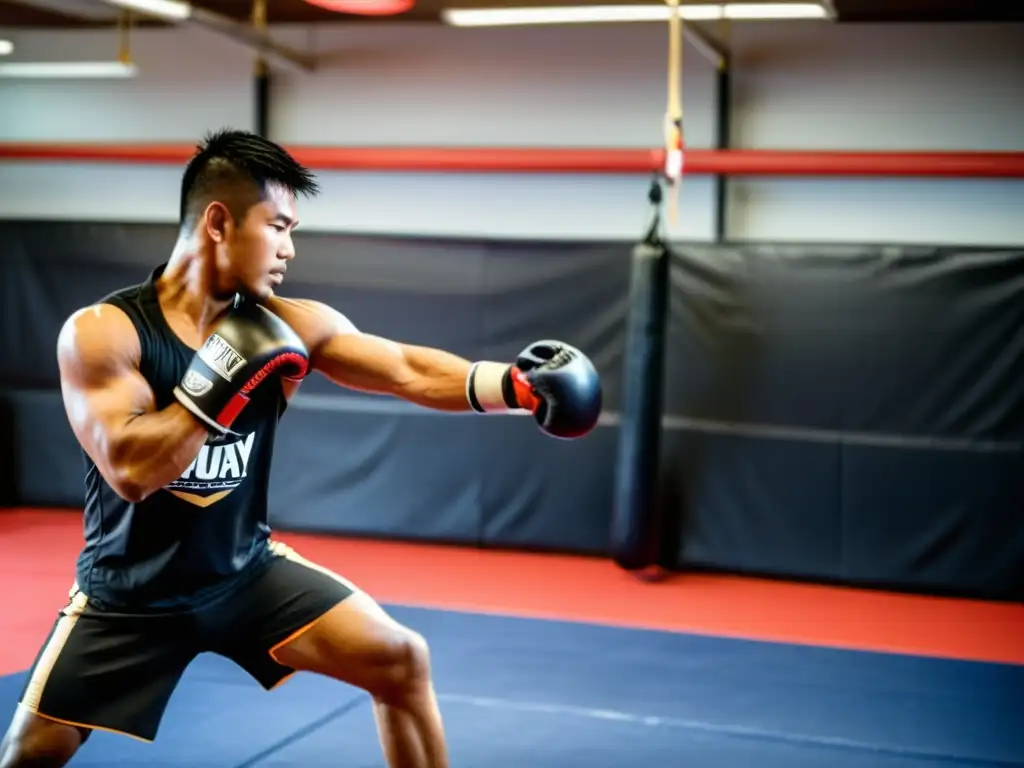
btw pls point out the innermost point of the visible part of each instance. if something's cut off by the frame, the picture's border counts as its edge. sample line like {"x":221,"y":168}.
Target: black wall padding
{"x":48,"y":469}
{"x":850,"y":414}
{"x":840,"y":413}
{"x":9,"y":453}
{"x":953,"y":520}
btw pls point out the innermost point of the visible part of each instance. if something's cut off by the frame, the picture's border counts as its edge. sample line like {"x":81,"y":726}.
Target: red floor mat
{"x":37,"y":551}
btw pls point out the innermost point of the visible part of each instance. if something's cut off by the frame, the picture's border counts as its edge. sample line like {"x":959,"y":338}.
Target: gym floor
{"x":562,"y":662}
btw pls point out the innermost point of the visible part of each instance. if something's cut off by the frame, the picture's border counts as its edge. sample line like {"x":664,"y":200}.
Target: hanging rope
{"x":673,"y":170}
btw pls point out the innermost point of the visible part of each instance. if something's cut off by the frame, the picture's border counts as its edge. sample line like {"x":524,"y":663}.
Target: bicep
{"x":341,"y":352}
{"x":364,"y":362}
{"x":97,"y":353}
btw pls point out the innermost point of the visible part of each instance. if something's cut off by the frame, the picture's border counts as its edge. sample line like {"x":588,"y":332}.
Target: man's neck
{"x":188,"y":286}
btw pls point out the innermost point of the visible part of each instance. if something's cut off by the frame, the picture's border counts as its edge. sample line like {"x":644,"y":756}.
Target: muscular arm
{"x":429,"y":377}
{"x":111,"y":408}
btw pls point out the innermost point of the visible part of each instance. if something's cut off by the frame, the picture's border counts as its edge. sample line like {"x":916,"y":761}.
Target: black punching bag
{"x":634,"y":539}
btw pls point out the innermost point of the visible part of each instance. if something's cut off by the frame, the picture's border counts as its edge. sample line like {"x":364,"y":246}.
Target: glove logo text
{"x":222,"y":358}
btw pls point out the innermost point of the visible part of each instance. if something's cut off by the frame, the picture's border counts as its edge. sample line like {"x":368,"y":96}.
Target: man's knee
{"x":416,"y":655}
{"x":408,"y":670}
{"x":358,"y":643}
{"x":35,"y":742}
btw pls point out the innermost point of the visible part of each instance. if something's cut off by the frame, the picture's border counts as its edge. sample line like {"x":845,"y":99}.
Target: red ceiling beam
{"x":736,"y":162}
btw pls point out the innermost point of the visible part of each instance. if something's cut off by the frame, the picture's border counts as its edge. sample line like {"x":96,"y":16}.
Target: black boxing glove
{"x":557,"y":383}
{"x":248,"y":345}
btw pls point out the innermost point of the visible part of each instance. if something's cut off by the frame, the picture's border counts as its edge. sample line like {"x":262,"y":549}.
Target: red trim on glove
{"x":525,"y":394}
{"x":235,"y":405}
{"x":273,"y":365}
{"x":230,"y":411}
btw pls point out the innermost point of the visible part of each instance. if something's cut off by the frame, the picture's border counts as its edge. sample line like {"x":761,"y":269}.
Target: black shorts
{"x":115,"y":671}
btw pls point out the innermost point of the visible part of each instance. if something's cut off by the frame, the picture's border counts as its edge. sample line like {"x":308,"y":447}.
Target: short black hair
{"x":235,"y":167}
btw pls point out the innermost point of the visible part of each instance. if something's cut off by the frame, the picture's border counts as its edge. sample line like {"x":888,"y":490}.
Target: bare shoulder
{"x":95,"y":341}
{"x":314,"y":322}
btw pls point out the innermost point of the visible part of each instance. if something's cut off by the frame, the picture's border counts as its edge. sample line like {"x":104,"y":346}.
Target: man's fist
{"x":559,"y":385}
{"x":248,"y":345}
{"x":553,"y":381}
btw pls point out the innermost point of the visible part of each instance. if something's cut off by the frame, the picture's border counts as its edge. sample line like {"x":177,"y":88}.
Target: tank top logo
{"x":220,"y":467}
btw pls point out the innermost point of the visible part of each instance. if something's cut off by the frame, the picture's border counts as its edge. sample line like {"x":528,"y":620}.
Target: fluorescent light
{"x":598,"y":14}
{"x":59,"y":70}
{"x":6,"y":47}
{"x":174,"y":10}
{"x":753,"y":11}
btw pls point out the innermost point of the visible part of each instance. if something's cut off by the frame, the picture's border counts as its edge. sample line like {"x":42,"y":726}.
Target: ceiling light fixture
{"x":247,"y":34}
{"x":605,"y":14}
{"x":6,"y":47}
{"x":60,"y":70}
{"x":365,"y":7}
{"x":172,"y":10}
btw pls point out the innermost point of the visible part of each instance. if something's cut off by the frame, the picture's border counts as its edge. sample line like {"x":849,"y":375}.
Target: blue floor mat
{"x":545,"y":694}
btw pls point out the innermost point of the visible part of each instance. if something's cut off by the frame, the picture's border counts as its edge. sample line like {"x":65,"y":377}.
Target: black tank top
{"x":198,"y":536}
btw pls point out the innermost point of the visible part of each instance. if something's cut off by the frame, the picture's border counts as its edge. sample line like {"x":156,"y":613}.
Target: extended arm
{"x":111,"y":408}
{"x":552,"y":380}
{"x":429,"y":377}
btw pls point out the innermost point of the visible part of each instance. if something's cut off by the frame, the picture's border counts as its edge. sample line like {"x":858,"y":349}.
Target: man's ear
{"x":217,"y":220}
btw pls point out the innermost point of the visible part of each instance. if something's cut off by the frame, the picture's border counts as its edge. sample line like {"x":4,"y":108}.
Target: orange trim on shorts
{"x":296,"y":635}
{"x":282,"y":681}
{"x":86,"y":726}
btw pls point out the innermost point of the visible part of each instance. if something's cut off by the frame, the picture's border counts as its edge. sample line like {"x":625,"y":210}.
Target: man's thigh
{"x":288,"y":597}
{"x":105,"y":670}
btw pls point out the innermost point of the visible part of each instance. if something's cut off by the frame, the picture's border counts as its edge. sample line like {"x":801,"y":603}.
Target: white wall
{"x":867,"y":87}
{"x":796,"y":85}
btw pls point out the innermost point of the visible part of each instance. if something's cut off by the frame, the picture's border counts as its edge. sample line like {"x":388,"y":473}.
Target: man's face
{"x":256,"y":251}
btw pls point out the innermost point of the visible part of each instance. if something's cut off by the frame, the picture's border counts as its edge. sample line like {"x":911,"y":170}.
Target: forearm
{"x":443,"y":381}
{"x":153,"y":450}
{"x":436,"y":379}
{"x":426,"y":376}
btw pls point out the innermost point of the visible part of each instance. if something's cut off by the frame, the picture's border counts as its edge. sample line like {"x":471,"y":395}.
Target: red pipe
{"x":741,"y":162}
